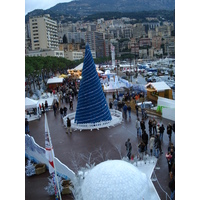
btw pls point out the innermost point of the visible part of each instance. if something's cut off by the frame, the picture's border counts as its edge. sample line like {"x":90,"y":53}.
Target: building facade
{"x":73,"y":55}
{"x":43,"y":32}
{"x":156,"y":42}
{"x":44,"y":53}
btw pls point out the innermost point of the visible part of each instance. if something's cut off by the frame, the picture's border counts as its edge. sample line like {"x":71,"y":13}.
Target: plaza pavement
{"x":74,"y":149}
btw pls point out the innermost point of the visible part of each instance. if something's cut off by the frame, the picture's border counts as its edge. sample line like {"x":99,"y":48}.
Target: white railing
{"x":116,"y":119}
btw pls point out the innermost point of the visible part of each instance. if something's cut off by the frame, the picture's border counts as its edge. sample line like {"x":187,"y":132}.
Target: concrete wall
{"x":169,"y":111}
{"x":37,"y":154}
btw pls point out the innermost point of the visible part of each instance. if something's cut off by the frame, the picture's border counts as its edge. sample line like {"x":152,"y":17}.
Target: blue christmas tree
{"x":92,"y":106}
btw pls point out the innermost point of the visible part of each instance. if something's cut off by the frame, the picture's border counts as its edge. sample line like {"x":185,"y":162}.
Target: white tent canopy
{"x":79,"y":67}
{"x":54,"y":80}
{"x":30,"y":103}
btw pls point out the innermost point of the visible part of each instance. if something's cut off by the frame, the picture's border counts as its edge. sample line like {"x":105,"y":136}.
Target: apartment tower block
{"x":44,"y":34}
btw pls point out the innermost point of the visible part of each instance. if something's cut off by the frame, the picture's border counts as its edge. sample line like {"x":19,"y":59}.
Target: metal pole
{"x":53,"y":159}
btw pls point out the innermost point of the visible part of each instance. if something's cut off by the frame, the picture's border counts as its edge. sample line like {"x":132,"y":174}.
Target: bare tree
{"x":75,"y":159}
{"x":102,"y":155}
{"x":119,"y":150}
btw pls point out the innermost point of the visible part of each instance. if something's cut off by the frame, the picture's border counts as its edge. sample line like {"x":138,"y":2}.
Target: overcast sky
{"x":31,"y":5}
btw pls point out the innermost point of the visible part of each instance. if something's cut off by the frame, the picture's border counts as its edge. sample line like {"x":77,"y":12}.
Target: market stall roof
{"x":63,"y":75}
{"x":55,"y":80}
{"x":30,"y":103}
{"x":158,"y":86}
{"x":100,"y":72}
{"x":79,"y":67}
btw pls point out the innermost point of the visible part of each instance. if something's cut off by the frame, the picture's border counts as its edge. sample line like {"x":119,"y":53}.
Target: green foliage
{"x":74,"y":17}
{"x":36,"y":64}
{"x":139,"y":16}
{"x":101,"y":60}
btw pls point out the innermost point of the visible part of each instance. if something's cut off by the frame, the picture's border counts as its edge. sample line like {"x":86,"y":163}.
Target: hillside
{"x":81,"y":8}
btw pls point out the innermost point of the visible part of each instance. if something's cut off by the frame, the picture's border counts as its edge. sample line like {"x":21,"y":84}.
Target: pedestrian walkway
{"x":75,"y":149}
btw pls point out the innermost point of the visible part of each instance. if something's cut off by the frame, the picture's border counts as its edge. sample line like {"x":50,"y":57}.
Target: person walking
{"x":152,"y":144}
{"x":145,"y":139}
{"x":43,"y":109}
{"x":154,"y":123}
{"x":157,"y":146}
{"x":161,"y":129}
{"x":129,"y":111}
{"x":137,"y":125}
{"x":26,"y":126}
{"x":136,"y":108}
{"x":128,"y":148}
{"x":69,"y":126}
{"x":169,"y":131}
{"x":169,"y":160}
{"x":125,"y":111}
{"x":172,"y":186}
{"x":65,"y":111}
{"x":142,"y":125}
{"x":150,"y":127}
{"x":110,"y":104}
{"x":141,"y":149}
{"x":115,"y":104}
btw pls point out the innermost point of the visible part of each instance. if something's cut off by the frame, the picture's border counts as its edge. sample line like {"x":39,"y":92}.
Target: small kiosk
{"x":158,"y":89}
{"x":54,"y":82}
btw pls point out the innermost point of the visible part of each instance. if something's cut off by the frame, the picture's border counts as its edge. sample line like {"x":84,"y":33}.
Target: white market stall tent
{"x":31,"y":104}
{"x":54,"y":80}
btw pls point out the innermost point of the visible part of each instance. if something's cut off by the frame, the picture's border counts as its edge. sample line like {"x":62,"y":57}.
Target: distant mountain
{"x":80,"y":8}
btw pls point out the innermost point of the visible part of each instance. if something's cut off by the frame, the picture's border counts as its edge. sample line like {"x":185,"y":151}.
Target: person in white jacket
{"x":151,"y":144}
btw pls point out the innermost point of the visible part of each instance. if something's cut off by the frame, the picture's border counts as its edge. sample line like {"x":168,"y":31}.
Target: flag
{"x":49,"y":147}
{"x":50,"y":157}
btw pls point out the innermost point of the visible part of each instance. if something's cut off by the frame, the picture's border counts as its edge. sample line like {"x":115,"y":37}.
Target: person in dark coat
{"x":145,"y":139}
{"x":141,"y":149}
{"x":142,"y":125}
{"x":128,"y":148}
{"x":43,"y":109}
{"x":150,"y":127}
{"x":125,"y":111}
{"x":46,"y":106}
{"x":136,"y":108}
{"x":110,"y":104}
{"x":172,"y":186}
{"x":65,"y":111}
{"x":26,"y":126}
{"x":169,"y":160}
{"x":173,"y":127}
{"x":162,"y":129}
{"x":69,"y":126}
{"x":169,"y":131}
{"x":154,"y":124}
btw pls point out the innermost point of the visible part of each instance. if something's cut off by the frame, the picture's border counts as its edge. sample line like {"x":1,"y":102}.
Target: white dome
{"x":115,"y":180}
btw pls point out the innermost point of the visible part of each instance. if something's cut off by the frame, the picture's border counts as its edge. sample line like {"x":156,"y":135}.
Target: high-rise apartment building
{"x":98,"y":43}
{"x":90,"y":39}
{"x":44,"y":34}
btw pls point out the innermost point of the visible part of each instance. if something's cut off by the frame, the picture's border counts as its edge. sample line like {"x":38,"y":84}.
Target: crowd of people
{"x":151,"y":144}
{"x":150,"y":133}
